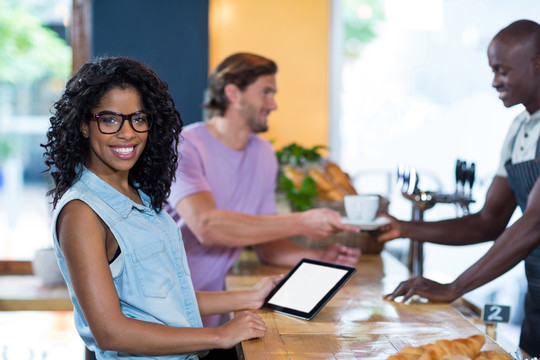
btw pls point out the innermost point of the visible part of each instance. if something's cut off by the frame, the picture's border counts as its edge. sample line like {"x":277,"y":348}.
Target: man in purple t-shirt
{"x":224,"y":194}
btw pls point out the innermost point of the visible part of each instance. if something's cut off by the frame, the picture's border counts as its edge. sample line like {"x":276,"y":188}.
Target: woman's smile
{"x":124,"y":151}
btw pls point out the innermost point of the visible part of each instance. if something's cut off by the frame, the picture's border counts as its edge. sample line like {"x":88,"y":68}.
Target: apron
{"x":521,"y":178}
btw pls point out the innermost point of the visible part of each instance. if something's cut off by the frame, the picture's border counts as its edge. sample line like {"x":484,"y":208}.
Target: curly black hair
{"x":240,"y":69}
{"x":66,"y":149}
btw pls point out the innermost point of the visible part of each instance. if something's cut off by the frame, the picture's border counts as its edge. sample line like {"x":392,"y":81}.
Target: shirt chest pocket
{"x":153,"y":273}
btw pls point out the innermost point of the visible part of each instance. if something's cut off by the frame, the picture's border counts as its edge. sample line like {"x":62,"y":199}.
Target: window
{"x":417,"y":91}
{"x":35,"y":63}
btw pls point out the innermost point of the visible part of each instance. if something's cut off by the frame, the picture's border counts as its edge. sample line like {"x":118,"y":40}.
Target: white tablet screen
{"x":307,"y":286}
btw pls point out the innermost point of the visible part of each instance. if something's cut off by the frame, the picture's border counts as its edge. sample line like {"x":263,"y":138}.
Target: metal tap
{"x":408,"y":180}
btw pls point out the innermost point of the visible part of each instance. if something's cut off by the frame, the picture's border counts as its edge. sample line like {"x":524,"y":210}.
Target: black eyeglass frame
{"x":128,"y":117}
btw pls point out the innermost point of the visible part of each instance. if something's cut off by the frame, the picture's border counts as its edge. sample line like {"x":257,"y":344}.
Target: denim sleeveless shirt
{"x":152,"y":277}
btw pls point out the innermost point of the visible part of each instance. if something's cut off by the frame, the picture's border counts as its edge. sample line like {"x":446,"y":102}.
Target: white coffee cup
{"x":361,"y":207}
{"x":45,"y":267}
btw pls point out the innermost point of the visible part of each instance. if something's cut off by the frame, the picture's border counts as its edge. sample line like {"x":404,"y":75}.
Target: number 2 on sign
{"x":496,"y":313}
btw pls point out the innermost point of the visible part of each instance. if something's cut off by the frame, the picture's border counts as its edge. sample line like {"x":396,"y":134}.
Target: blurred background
{"x":379,"y":82}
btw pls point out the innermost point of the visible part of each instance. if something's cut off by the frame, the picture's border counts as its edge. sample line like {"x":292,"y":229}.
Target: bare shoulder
{"x":76,"y":211}
{"x":76,"y":220}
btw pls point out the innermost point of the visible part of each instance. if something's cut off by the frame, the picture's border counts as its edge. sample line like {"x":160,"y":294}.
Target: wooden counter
{"x":357,"y":323}
{"x":27,"y":293}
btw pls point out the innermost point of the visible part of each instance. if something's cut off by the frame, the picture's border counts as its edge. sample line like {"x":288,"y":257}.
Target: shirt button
{"x":526,"y":135}
{"x":521,"y":148}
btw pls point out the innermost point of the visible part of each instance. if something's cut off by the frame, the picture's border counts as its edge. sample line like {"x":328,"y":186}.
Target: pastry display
{"x":332,"y":183}
{"x":493,"y":355}
{"x":458,"y":349}
{"x":326,"y":186}
{"x":340,"y":178}
{"x":327,"y":181}
{"x":294,"y":175}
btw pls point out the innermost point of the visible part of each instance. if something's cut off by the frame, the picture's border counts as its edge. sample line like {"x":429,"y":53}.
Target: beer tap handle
{"x":463,"y":174}
{"x":472,"y":170}
{"x":458,"y":174}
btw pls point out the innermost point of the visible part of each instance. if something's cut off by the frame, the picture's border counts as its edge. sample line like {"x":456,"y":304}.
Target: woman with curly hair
{"x":111,"y":151}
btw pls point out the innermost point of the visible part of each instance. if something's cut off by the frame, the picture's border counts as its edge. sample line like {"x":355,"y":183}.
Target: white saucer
{"x":372,"y":225}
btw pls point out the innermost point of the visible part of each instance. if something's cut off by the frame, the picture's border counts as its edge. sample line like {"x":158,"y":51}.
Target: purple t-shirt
{"x":242,"y":181}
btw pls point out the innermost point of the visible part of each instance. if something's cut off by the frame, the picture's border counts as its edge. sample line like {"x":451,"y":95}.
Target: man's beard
{"x":258,"y":127}
{"x":254,"y":122}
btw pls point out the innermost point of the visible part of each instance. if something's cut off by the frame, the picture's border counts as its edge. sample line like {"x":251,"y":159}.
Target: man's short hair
{"x":240,"y":69}
{"x":523,"y":31}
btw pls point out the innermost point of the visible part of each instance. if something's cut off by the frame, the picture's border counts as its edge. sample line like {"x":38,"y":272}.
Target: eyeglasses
{"x":110,"y":122}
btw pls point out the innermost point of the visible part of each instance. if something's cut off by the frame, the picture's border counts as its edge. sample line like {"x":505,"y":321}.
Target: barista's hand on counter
{"x":260,"y":291}
{"x":390,"y":231}
{"x":320,"y":223}
{"x":425,"y":288}
{"x":340,"y":254}
{"x":244,"y":326}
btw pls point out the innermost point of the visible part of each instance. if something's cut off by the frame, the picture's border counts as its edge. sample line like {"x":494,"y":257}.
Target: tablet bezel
{"x":309,"y":315}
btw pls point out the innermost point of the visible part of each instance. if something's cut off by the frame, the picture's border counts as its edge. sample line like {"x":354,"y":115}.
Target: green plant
{"x":361,"y":18}
{"x":9,"y":144}
{"x":30,"y":51}
{"x":295,"y":154}
{"x":300,"y":199}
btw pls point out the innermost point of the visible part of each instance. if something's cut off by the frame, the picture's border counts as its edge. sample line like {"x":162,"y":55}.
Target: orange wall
{"x":294,"y":33}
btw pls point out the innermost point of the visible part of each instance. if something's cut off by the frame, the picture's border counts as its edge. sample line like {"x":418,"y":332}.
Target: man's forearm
{"x":467,"y":230}
{"x":230,"y":228}
{"x":284,"y":253}
{"x":514,"y":245}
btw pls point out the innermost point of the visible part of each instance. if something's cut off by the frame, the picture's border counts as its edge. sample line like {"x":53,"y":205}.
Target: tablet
{"x":307,"y":288}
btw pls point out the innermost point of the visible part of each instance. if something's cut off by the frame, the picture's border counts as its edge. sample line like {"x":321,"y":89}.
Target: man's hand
{"x":390,"y":231}
{"x":244,"y":326}
{"x":425,"y":288}
{"x":340,"y":254}
{"x":320,"y":223}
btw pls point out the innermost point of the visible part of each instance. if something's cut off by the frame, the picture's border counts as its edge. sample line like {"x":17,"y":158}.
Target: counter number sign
{"x":494,"y":313}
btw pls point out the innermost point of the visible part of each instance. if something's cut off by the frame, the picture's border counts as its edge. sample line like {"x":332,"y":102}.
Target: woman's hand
{"x":260,"y":291}
{"x":244,"y":326}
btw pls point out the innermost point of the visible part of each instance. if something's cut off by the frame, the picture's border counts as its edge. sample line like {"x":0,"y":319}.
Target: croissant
{"x":467,"y":348}
{"x":411,"y":350}
{"x":326,"y":188}
{"x":340,"y":178}
{"x":408,"y":353}
{"x":333,"y":195}
{"x":294,"y":175}
{"x":403,"y":357}
{"x":493,"y":355}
